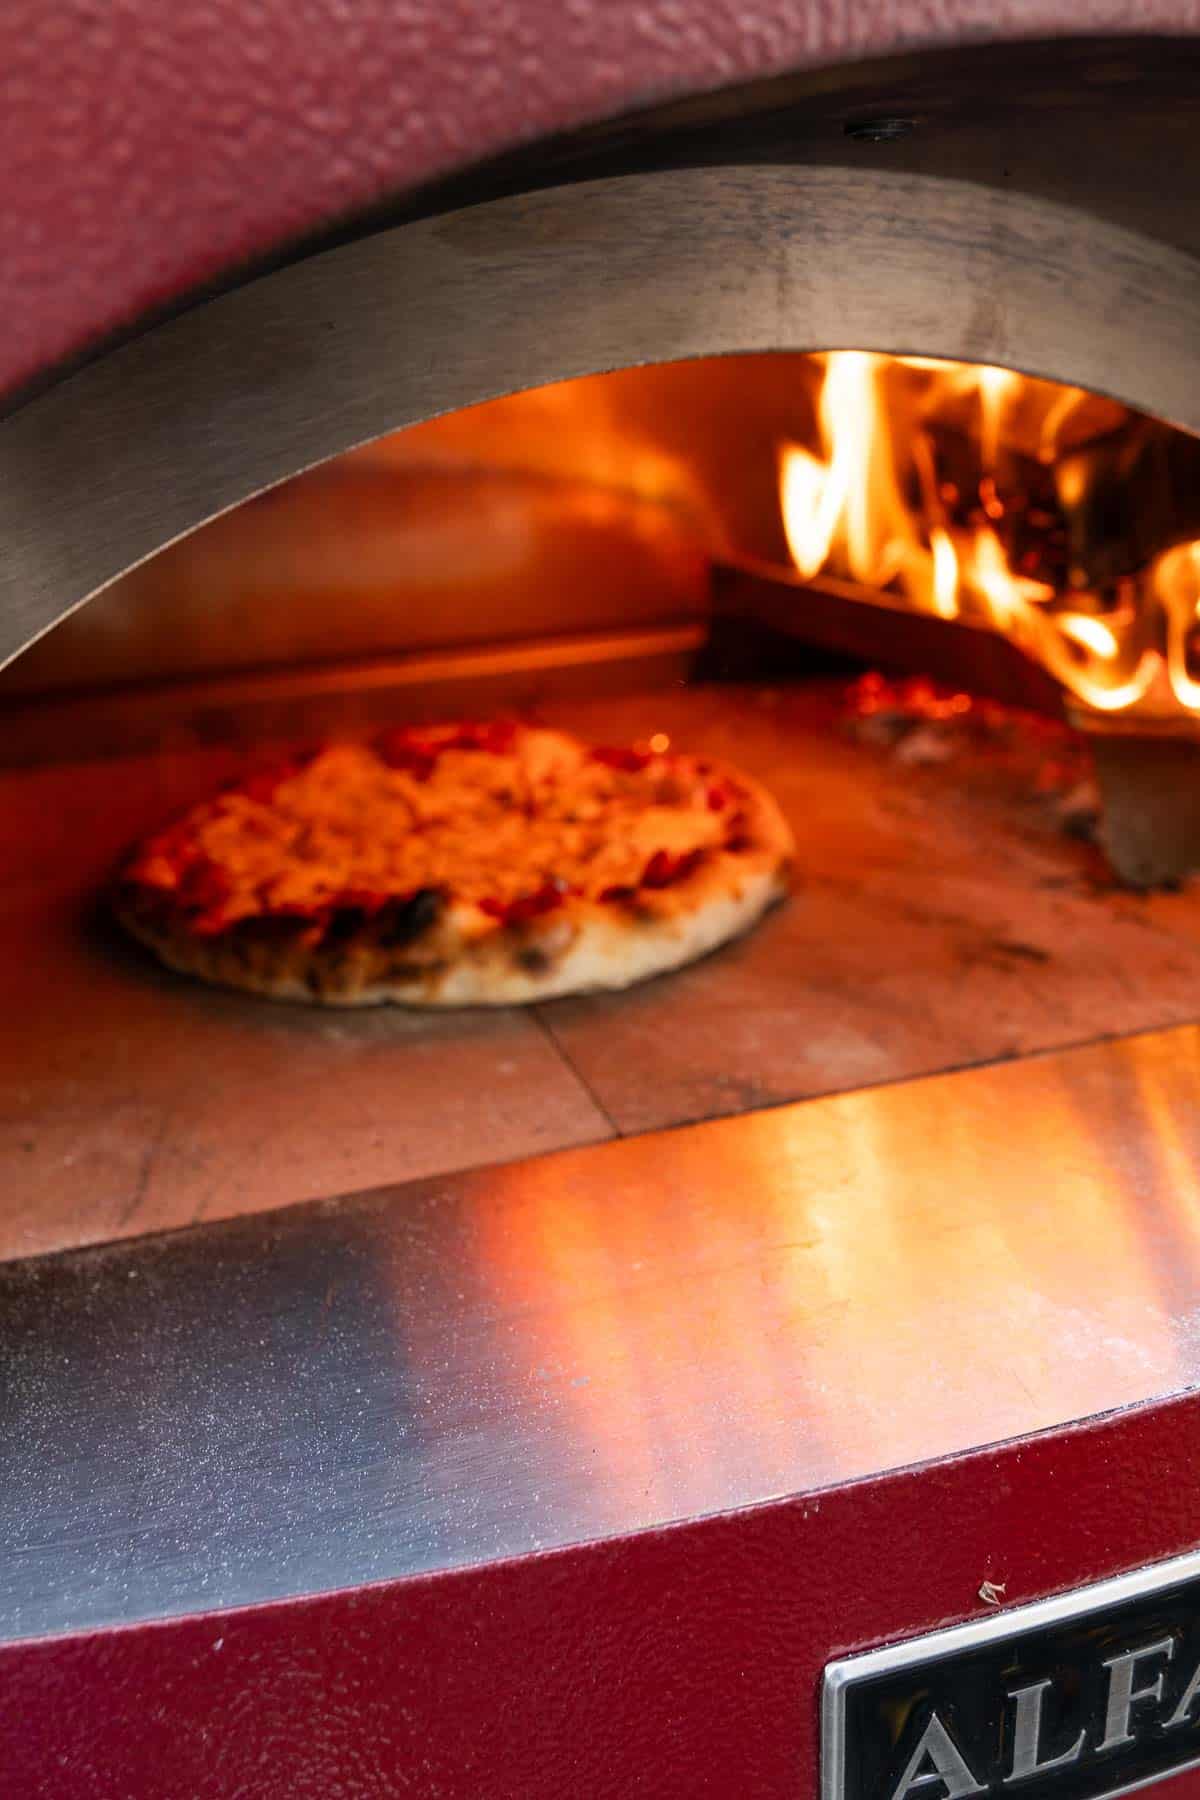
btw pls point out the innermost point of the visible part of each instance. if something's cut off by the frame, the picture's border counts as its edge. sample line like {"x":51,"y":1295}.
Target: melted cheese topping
{"x":486,"y":827}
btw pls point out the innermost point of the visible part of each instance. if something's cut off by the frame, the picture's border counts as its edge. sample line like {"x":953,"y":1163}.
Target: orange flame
{"x":874,"y":506}
{"x":850,"y":502}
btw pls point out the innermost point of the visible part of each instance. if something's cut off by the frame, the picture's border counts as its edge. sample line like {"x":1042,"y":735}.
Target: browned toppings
{"x":194,"y":886}
{"x":372,"y":843}
{"x":665,"y":868}
{"x":263,"y":784}
{"x":737,"y":832}
{"x":398,"y":751}
{"x":417,"y":748}
{"x":526,"y":906}
{"x":618,"y":756}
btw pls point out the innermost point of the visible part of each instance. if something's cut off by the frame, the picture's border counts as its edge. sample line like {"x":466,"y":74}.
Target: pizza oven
{"x":779,"y":1375}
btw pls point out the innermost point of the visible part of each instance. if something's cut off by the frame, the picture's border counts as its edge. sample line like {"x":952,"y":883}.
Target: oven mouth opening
{"x":1053,"y":517}
{"x":943,"y":612}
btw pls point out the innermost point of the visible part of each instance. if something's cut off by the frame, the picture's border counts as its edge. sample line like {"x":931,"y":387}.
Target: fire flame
{"x":889,"y":503}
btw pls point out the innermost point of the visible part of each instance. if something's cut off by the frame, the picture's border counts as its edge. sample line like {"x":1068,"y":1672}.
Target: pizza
{"x":458,"y":865}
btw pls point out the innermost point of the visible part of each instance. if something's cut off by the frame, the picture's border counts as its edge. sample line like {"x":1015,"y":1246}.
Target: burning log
{"x":967,"y":493}
{"x":871,"y":630}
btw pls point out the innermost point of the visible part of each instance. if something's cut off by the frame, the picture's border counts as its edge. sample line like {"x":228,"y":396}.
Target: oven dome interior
{"x":605,"y":502}
{"x":610,"y":554}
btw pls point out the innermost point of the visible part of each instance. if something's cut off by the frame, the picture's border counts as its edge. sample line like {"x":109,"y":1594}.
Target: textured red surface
{"x":677,"y":1664}
{"x":147,"y":147}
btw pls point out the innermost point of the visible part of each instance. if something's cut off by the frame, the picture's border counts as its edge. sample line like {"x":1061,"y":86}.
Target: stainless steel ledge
{"x":599,"y":1341}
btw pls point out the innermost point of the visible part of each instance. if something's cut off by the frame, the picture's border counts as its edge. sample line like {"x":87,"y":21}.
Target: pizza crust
{"x":582,"y":945}
{"x":604,"y":952}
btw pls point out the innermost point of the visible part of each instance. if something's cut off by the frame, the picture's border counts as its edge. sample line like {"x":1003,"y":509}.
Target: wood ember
{"x":923,"y":724}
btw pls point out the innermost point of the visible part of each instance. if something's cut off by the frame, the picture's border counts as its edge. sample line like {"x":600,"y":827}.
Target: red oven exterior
{"x":149,"y":150}
{"x":678,"y":1663}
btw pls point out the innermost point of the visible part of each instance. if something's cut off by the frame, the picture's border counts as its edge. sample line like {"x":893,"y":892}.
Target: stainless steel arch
{"x":191,"y":418}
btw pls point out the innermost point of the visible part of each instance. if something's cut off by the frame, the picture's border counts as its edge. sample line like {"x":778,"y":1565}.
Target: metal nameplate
{"x":1089,"y":1694}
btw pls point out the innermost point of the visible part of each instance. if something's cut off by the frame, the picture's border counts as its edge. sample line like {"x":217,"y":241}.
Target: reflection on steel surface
{"x":820,"y":1281}
{"x":600,"y":1341}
